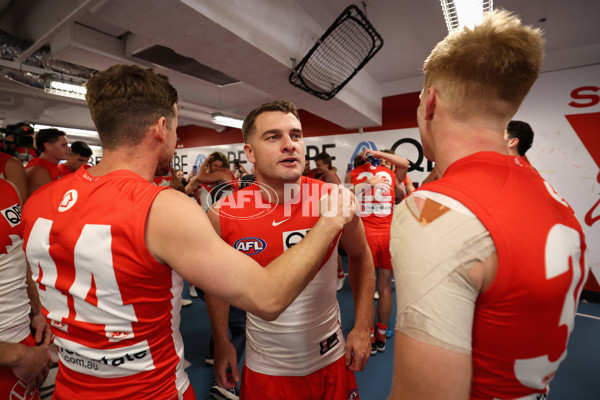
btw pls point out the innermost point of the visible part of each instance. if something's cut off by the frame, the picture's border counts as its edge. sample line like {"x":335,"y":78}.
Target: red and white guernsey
{"x":523,"y":320}
{"x":376,"y":204}
{"x":113,"y":308}
{"x":307,"y":336}
{"x":14,"y":307}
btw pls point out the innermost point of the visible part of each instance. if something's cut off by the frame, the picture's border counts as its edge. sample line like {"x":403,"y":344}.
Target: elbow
{"x":270,"y":310}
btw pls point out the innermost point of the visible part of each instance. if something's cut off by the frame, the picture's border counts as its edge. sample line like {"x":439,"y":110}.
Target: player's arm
{"x":432,"y":355}
{"x":423,"y":371}
{"x":361,"y":274}
{"x":37,"y":176}
{"x":15,"y":173}
{"x":401,"y":163}
{"x":29,"y":364}
{"x":218,"y":313}
{"x":193,"y":249}
{"x":39,"y":326}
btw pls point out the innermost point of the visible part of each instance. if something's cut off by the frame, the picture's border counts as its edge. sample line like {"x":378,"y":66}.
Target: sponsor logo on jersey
{"x":12,"y":215}
{"x":291,"y":238}
{"x":68,"y":201}
{"x":250,"y":245}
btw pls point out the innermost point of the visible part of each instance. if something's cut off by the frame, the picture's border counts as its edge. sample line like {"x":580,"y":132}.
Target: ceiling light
{"x":67,"y":89}
{"x":460,"y":13}
{"x":69,"y":131}
{"x":233,"y":122}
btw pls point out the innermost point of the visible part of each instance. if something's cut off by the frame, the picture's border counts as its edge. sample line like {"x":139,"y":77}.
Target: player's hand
{"x":32,"y":366}
{"x":339,"y":205}
{"x":41,"y":329}
{"x":358,"y":349}
{"x":226,"y":359}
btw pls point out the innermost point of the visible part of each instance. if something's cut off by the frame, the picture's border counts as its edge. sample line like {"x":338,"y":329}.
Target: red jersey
{"x":14,"y":307}
{"x":376,"y":204}
{"x":50,"y":167}
{"x":307,"y":336}
{"x":523,"y":320}
{"x":113,"y":308}
{"x":64,"y":170}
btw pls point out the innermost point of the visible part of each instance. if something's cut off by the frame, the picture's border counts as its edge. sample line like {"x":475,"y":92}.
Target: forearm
{"x":361,"y":274}
{"x":32,"y":293}
{"x":218,"y":313}
{"x":10,"y":354}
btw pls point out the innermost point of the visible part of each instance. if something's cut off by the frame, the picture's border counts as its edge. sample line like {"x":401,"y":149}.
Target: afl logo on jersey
{"x":68,"y":201}
{"x":250,"y":245}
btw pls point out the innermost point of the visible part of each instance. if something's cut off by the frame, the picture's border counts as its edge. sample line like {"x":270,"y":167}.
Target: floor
{"x":576,"y":379}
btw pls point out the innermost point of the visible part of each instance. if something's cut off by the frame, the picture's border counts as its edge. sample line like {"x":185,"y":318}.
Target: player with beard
{"x":302,"y":353}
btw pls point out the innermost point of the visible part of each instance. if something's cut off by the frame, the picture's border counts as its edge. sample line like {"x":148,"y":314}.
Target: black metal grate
{"x":349,"y":43}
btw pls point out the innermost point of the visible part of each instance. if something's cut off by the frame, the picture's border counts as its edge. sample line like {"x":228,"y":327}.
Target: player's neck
{"x":125,"y":159}
{"x":453,"y":147}
{"x":276,"y":190}
{"x":49,"y":158}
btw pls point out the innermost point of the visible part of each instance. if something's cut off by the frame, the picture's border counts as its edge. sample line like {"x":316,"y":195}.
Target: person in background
{"x":24,"y":335}
{"x":12,"y":170}
{"x":325,"y":170}
{"x":54,"y":147}
{"x":103,"y":245}
{"x":375,"y":186}
{"x":79,"y":155}
{"x":518,"y":138}
{"x":302,"y":353}
{"x":487,"y":256}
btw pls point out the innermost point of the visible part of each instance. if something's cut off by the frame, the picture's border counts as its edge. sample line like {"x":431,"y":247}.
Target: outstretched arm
{"x":193,"y":249}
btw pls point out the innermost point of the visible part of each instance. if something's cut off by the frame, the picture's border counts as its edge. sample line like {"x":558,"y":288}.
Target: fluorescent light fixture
{"x":66,"y":89}
{"x":220,"y":119}
{"x":69,"y":131}
{"x":460,"y":13}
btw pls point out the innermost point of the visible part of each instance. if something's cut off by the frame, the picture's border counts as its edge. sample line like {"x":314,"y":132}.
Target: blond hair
{"x":488,"y":69}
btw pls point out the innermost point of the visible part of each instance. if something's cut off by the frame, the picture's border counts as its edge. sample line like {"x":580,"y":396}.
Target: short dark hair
{"x":324,"y":157}
{"x":249,"y":125}
{"x":81,"y":148}
{"x":358,"y":161}
{"x":522,"y":131}
{"x":49,"y":135}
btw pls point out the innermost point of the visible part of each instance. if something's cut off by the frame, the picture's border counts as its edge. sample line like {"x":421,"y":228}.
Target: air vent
{"x":165,"y":57}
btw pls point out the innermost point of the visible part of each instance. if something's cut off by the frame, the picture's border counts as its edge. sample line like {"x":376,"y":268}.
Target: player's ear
{"x":249,"y":153}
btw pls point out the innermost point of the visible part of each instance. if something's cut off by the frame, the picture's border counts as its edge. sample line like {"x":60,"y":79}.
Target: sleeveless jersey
{"x":14,"y":307}
{"x":376,"y":204}
{"x":63,"y":170}
{"x":50,"y":167}
{"x":307,"y":336}
{"x":523,"y":320}
{"x":113,"y":308}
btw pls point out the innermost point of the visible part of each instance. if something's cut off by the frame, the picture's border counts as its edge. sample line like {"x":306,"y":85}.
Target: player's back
{"x":113,"y":308}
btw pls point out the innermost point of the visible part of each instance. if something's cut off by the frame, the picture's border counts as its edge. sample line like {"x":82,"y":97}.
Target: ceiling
{"x":255,"y":42}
